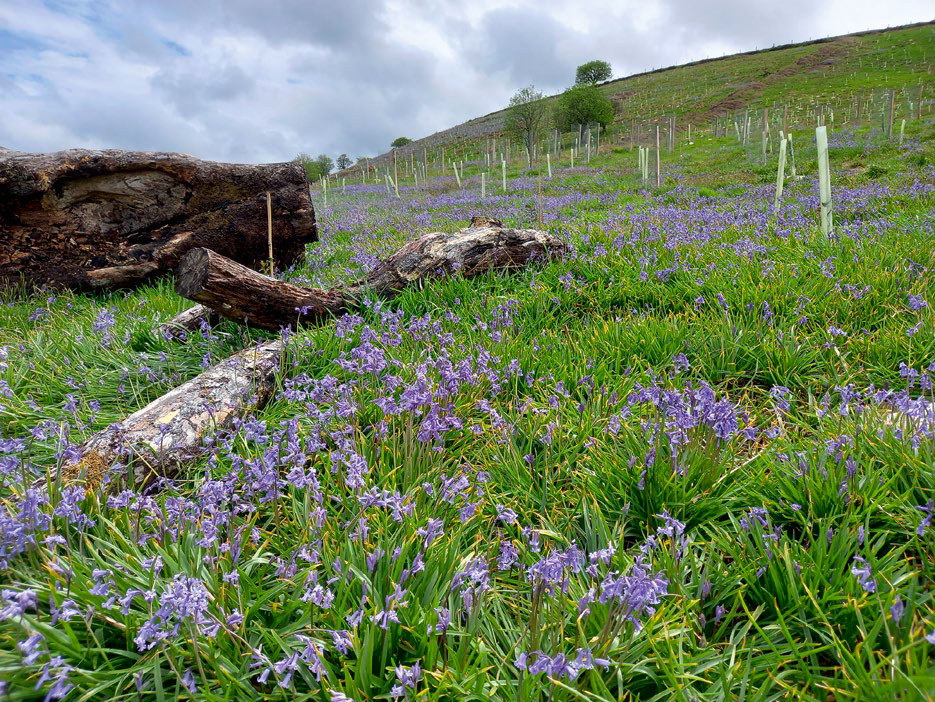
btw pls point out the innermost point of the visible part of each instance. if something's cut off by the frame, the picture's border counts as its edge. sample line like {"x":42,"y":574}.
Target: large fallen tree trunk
{"x":248,"y":297}
{"x":111,"y":219}
{"x":170,"y":430}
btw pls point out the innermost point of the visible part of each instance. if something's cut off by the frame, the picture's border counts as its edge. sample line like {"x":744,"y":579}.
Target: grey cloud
{"x":745,"y":24}
{"x":193,"y":88}
{"x":248,"y":81}
{"x":522,"y":44}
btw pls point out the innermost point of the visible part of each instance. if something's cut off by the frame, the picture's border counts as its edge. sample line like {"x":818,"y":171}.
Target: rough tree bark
{"x":170,"y":431}
{"x":251,"y":298}
{"x":111,"y":219}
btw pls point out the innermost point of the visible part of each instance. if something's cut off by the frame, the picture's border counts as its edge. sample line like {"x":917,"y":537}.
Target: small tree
{"x":343,"y":161}
{"x":592,"y":72}
{"x":400,"y":141}
{"x":582,"y":104}
{"x":325,"y":164}
{"x":312,"y":169}
{"x":526,"y":115}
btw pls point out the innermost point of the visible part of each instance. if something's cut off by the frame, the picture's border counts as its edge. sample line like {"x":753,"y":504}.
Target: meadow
{"x":691,"y":460}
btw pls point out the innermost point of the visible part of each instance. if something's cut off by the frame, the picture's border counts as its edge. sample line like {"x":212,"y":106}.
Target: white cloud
{"x":234,"y":80}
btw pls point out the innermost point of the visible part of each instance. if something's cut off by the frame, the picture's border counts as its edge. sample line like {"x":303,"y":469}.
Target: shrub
{"x":583,"y":104}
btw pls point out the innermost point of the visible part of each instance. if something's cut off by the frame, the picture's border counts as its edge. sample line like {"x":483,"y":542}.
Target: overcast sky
{"x":254,"y":81}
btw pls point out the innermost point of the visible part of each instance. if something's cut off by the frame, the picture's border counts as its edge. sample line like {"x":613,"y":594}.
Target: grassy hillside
{"x":694,"y":459}
{"x":829,"y":73}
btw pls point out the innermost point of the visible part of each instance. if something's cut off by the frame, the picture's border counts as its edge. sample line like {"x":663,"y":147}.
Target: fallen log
{"x":170,"y":431}
{"x":256,"y":300}
{"x":113,"y":219}
{"x":186,"y":321}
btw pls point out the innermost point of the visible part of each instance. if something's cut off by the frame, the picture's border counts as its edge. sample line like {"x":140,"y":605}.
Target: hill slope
{"x":827,"y":72}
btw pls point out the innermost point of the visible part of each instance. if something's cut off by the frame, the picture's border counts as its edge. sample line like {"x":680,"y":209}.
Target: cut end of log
{"x":192,"y":273}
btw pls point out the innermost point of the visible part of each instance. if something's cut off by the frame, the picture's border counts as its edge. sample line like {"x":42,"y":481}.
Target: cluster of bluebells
{"x":559,"y":666}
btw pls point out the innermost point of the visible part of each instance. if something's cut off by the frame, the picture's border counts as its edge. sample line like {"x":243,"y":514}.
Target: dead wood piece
{"x":468,"y":252}
{"x":257,"y":300}
{"x":186,"y":321}
{"x":236,"y":292}
{"x":170,"y":431}
{"x":113,"y":219}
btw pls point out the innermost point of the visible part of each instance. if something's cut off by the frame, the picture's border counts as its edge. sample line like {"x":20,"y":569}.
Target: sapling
{"x":483,"y":185}
{"x":902,"y":129}
{"x":824,"y":180}
{"x":503,"y":173}
{"x":548,"y":163}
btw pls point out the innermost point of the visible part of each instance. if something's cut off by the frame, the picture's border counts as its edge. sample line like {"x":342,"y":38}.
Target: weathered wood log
{"x":170,"y":431}
{"x":113,"y":219}
{"x":188,"y":320}
{"x":251,"y":298}
{"x":236,"y":292}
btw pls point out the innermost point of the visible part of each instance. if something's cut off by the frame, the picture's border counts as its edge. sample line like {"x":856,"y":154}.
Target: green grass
{"x":569,"y":387}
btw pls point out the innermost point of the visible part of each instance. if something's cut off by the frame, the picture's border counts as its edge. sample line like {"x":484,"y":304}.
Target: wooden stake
{"x":269,"y":229}
{"x":539,"y":193}
{"x":892,"y":111}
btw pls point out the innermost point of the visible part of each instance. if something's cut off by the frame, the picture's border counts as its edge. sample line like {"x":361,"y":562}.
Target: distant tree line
{"x":319,"y":166}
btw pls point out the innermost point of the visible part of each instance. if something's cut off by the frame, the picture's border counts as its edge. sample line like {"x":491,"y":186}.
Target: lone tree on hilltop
{"x":582,"y":104}
{"x":344,"y":161}
{"x":400,"y":141}
{"x":526,"y":115}
{"x":592,"y":72}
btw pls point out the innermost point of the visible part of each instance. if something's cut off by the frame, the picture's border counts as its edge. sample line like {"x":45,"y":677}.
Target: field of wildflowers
{"x":692,"y":460}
